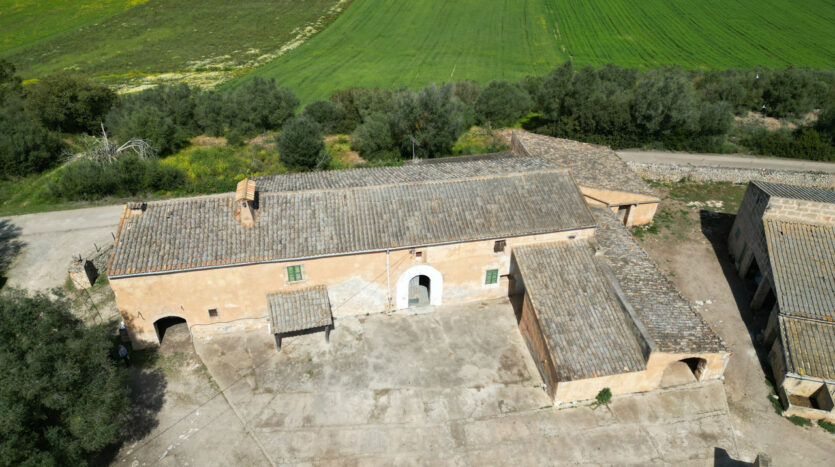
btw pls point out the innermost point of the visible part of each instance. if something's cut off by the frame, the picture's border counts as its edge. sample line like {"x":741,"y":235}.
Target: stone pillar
{"x":745,"y":263}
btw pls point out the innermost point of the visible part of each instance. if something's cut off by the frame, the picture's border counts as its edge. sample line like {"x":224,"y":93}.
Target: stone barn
{"x":783,"y":240}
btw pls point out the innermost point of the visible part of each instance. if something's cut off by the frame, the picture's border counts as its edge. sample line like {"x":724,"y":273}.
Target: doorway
{"x":419,"y":290}
{"x":174,"y":326}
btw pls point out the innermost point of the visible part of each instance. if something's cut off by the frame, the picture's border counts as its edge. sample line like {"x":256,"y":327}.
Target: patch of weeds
{"x":602,"y":398}
{"x":800,"y":421}
{"x":828,"y":426}
{"x":309,"y":372}
{"x":69,"y":286}
{"x":521,"y":375}
{"x":775,"y":402}
{"x":546,"y":407}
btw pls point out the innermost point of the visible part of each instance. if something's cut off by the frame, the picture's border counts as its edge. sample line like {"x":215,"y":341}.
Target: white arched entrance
{"x":436,"y":285}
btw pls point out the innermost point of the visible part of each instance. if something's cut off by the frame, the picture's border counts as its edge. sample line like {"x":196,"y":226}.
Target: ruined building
{"x":783,"y":239}
{"x":293,"y":253}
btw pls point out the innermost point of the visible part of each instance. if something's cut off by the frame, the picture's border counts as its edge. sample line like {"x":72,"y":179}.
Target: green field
{"x":391,"y":43}
{"x":123,"y":40}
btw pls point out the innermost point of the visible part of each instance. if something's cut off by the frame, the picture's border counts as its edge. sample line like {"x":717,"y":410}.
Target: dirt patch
{"x":206,"y":140}
{"x":774,"y":124}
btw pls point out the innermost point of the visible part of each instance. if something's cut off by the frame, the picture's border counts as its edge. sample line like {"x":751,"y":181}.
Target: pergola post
{"x":278,"y":342}
{"x":328,"y":334}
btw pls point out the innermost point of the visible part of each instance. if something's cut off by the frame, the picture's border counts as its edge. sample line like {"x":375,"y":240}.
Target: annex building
{"x":783,"y":239}
{"x":294,"y":253}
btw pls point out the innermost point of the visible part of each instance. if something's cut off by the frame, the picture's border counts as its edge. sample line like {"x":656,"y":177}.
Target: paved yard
{"x":51,"y":239}
{"x":456,"y":386}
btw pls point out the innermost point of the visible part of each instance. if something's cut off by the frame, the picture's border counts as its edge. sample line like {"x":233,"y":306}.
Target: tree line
{"x":667,"y":108}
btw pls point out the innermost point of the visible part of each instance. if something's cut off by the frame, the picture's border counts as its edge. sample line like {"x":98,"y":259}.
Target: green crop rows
{"x":392,"y":43}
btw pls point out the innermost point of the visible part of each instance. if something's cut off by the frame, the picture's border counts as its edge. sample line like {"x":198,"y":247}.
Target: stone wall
{"x":86,"y":269}
{"x":674,"y":173}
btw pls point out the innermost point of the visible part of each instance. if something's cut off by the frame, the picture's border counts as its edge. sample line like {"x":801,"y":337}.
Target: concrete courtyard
{"x":454,"y":386}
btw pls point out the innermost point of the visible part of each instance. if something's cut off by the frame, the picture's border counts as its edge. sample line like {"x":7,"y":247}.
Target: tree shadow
{"x":147,"y":396}
{"x":10,"y":246}
{"x":716,"y":226}
{"x":721,"y":458}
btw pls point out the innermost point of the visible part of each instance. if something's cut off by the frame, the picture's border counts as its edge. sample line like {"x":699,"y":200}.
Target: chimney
{"x":245,"y":202}
{"x":136,"y":208}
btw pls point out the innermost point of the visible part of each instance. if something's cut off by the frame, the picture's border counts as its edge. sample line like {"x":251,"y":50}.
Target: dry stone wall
{"x":674,"y":173}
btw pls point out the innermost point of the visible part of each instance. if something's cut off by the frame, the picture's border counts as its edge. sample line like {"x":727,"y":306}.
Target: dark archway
{"x":163,"y":325}
{"x":419,"y":289}
{"x":696,"y":365}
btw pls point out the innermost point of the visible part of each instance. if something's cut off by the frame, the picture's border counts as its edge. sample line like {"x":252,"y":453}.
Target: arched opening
{"x":174,"y":327}
{"x":685,"y":371}
{"x":696,"y":366}
{"x":420,"y":285}
{"x":419,"y":288}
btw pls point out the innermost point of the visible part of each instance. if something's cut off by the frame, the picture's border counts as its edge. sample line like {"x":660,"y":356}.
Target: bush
{"x":25,"y":147}
{"x":501,"y":104}
{"x":373,"y":139}
{"x":128,"y":176}
{"x":803,"y":143}
{"x":603,"y":397}
{"x":64,"y":396}
{"x":164,"y":116}
{"x":793,"y":91}
{"x":828,"y":426}
{"x":800,"y":421}
{"x":328,"y":115}
{"x":257,"y":106}
{"x":9,"y":81}
{"x":301,"y":145}
{"x":69,"y":102}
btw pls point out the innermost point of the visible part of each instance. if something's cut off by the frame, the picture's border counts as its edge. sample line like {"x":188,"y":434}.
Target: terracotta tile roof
{"x":673,"y":324}
{"x":203,"y":232}
{"x":780,"y":190}
{"x":299,"y":310}
{"x":802,"y":258}
{"x":584,"y":324}
{"x":593,"y":166}
{"x":808,"y":347}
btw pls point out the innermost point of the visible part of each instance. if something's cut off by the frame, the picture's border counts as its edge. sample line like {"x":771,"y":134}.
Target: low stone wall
{"x":674,"y":173}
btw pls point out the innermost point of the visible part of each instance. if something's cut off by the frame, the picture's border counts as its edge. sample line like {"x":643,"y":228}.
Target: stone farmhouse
{"x":294,"y":253}
{"x":783,"y":239}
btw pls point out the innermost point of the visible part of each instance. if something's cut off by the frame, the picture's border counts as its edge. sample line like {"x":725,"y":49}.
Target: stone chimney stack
{"x":245,"y":202}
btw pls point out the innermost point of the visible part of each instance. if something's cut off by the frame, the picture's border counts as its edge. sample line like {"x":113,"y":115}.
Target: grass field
{"x":124,"y":40}
{"x":392,"y":43}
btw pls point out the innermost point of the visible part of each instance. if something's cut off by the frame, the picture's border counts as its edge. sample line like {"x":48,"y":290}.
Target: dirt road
{"x":51,"y":239}
{"x":726,"y":160}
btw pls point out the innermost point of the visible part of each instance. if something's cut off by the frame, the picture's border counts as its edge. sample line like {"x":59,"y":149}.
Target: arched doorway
{"x":173,"y":326}
{"x":419,"y":288}
{"x":684,"y":371}
{"x":420,"y":285}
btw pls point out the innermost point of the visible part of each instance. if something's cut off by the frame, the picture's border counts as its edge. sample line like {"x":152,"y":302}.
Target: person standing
{"x":123,"y":354}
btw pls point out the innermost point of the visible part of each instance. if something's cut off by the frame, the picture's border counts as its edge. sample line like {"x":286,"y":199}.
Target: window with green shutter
{"x":294,"y":273}
{"x":492,"y":276}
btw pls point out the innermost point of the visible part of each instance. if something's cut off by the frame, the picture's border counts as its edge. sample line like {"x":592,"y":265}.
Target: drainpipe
{"x":388,"y":278}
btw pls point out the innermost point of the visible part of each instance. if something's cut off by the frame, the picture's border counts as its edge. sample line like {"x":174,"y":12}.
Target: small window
{"x":499,"y":246}
{"x":418,"y":254}
{"x":491,"y":277}
{"x":212,"y":312}
{"x":294,"y":273}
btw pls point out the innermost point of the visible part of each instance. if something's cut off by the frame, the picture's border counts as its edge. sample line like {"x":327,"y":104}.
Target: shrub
{"x":803,"y":143}
{"x":373,"y":139}
{"x":9,"y":81}
{"x":64,"y":396}
{"x":603,"y":397}
{"x":327,"y":114}
{"x":25,"y":147}
{"x":792,"y":91}
{"x":828,"y":426}
{"x":69,"y":102}
{"x":127,"y":176}
{"x":164,"y":116}
{"x":501,"y":104}
{"x":301,"y":145}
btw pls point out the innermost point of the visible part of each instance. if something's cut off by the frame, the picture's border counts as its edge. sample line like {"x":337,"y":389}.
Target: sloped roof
{"x":300,"y":309}
{"x":670,"y":320}
{"x":593,"y":166}
{"x":802,"y":258}
{"x":808,"y":347}
{"x":451,"y":168}
{"x":780,"y":190}
{"x":585,"y":328}
{"x":202,"y":232}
